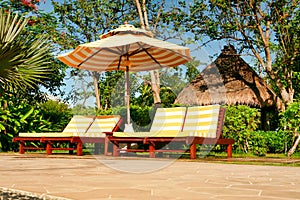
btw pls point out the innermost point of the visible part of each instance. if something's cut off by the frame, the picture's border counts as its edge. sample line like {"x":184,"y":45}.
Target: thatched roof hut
{"x":228,"y":80}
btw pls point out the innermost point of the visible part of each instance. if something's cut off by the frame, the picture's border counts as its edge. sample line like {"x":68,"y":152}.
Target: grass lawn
{"x":250,"y":159}
{"x":216,"y":157}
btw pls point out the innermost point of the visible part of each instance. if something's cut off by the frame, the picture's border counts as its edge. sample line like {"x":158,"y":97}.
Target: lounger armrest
{"x":108,"y":133}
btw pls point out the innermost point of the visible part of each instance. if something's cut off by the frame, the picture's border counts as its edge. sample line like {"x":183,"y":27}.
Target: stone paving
{"x":100,"y":177}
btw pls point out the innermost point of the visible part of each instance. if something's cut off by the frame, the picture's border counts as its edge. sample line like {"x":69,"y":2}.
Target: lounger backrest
{"x":168,"y":120}
{"x":102,"y":124}
{"x":78,"y":124}
{"x":202,"y":121}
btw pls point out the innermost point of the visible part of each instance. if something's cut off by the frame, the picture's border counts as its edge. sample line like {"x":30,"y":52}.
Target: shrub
{"x":289,"y":122}
{"x":277,"y":141}
{"x":19,"y":116}
{"x":240,"y":122}
{"x":57,"y":113}
{"x":140,"y":116}
{"x":257,"y":143}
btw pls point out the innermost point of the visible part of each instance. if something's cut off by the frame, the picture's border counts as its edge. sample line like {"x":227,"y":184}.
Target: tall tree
{"x":266,"y":29}
{"x":143,"y":15}
{"x":85,"y":21}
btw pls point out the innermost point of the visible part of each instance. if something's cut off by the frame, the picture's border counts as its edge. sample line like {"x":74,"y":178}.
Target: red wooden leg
{"x":193,"y":151}
{"x":106,"y":142}
{"x":116,"y":150}
{"x":229,"y":151}
{"x":79,"y":149}
{"x":152,"y":150}
{"x":21,"y":148}
{"x":48,"y":148}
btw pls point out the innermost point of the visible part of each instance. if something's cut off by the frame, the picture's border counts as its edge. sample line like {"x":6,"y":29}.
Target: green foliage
{"x":296,"y":80}
{"x":277,"y":141}
{"x":82,"y":89}
{"x":240,"y":121}
{"x":167,"y":96}
{"x":145,"y":97}
{"x":85,"y":21}
{"x":140,"y":116}
{"x":112,"y":88}
{"x":262,"y":142}
{"x":256,"y":143}
{"x":19,"y":115}
{"x":192,"y":70}
{"x":171,"y":83}
{"x":57,"y":113}
{"x":242,"y":124}
{"x":290,"y":118}
{"x":38,"y":25}
{"x":83,"y":110}
{"x":241,"y":118}
{"x":23,"y":59}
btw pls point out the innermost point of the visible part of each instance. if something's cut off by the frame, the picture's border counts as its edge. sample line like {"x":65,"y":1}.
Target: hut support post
{"x":263,"y":117}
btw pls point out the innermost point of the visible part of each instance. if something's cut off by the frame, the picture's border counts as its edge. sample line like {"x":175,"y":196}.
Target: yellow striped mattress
{"x":82,"y":126}
{"x":167,"y":122}
{"x":201,"y":121}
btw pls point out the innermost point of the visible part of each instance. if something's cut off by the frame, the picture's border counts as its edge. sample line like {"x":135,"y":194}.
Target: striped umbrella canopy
{"x":113,"y":53}
{"x":128,"y":49}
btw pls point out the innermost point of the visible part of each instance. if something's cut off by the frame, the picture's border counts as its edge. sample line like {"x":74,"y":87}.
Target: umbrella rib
{"x":119,"y":63}
{"x":107,"y":49}
{"x":138,"y":51}
{"x":186,"y":57}
{"x":110,"y":50}
{"x":121,"y":55}
{"x":89,"y":57}
{"x":144,"y":49}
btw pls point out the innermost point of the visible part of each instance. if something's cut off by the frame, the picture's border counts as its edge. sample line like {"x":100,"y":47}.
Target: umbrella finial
{"x":126,"y":26}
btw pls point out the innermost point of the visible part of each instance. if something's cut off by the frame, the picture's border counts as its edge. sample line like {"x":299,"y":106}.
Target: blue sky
{"x":47,"y":6}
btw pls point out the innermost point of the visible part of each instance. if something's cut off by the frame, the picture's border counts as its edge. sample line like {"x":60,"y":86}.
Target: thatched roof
{"x":228,"y":80}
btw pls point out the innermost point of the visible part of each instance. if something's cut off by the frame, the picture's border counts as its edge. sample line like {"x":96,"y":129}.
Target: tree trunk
{"x":155,"y":85}
{"x":154,"y":74}
{"x":267,"y":64}
{"x":292,"y":150}
{"x":155,"y":80}
{"x":96,"y":88}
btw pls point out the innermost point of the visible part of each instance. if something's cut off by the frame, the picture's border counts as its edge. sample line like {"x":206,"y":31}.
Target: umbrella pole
{"x":127,"y":97}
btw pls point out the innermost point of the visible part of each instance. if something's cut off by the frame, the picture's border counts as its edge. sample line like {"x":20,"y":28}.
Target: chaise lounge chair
{"x":81,"y":129}
{"x":190,"y":126}
{"x":167,"y":123}
{"x":203,"y":125}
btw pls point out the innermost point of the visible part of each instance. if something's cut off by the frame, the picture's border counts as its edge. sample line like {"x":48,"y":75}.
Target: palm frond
{"x":24,"y":60}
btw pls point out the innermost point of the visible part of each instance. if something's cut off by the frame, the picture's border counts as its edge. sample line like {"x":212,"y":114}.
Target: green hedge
{"x":262,"y":142}
{"x":242,"y":124}
{"x":140,"y":116}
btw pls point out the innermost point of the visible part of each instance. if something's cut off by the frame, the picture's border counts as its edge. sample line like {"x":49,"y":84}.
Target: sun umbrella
{"x":128,"y":49}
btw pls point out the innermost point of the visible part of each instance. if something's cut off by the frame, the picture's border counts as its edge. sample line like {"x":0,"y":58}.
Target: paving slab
{"x":103,"y":177}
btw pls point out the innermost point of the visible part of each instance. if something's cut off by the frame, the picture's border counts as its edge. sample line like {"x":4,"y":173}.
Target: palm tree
{"x":23,"y":57}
